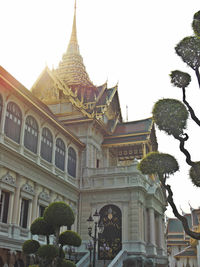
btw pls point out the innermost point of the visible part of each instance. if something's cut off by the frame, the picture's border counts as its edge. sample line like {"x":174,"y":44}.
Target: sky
{"x":122,"y":41}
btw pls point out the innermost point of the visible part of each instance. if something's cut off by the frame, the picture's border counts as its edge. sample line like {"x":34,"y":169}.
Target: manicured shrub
{"x":171,"y":116}
{"x":40,"y":227}
{"x":30,"y":247}
{"x":67,"y":263}
{"x":70,"y":238}
{"x":59,"y":214}
{"x":195,"y":173}
{"x":48,"y":252}
{"x":158,"y":163}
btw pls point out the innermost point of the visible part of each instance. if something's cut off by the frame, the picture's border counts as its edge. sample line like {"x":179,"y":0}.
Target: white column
{"x":10,"y":209}
{"x":35,"y":204}
{"x":53,"y":154}
{"x":152,"y":226}
{"x":39,"y":145}
{"x":3,"y":118}
{"x":22,"y":135}
{"x":144,"y":150}
{"x":16,"y":203}
{"x":160,"y":232}
{"x":29,"y":213}
{"x":146,"y":225}
{"x":125,"y":223}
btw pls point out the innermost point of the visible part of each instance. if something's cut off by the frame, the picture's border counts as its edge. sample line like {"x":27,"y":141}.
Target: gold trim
{"x":122,"y":144}
{"x":41,"y":110}
{"x":126,"y":135}
{"x":76,"y":121}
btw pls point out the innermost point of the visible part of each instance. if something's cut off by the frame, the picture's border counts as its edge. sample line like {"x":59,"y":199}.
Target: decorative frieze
{"x":28,"y":189}
{"x":8,"y":179}
{"x":44,"y":196}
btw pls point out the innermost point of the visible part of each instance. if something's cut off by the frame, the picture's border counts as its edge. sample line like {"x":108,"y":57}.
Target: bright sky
{"x":125,"y":41}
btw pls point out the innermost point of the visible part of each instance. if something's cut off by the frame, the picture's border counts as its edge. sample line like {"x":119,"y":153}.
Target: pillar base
{"x":151,"y":250}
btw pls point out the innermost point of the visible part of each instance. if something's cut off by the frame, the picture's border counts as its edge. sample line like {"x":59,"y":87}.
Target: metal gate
{"x":110,"y":242}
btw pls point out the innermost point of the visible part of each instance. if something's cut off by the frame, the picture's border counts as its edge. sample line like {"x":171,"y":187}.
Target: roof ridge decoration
{"x":71,"y":69}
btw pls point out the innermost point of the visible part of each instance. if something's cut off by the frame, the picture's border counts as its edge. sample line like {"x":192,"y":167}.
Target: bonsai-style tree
{"x":56,"y":215}
{"x":170,"y":115}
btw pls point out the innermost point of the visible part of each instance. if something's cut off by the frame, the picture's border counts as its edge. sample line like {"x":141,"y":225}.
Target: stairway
{"x":100,"y":263}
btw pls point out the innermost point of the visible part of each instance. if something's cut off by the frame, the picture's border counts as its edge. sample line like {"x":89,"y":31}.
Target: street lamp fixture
{"x":94,"y":220}
{"x":90,"y":247}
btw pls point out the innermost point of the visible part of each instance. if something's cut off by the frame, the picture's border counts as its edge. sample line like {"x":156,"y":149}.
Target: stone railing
{"x":118,"y":260}
{"x":84,"y":261}
{"x":119,"y":176}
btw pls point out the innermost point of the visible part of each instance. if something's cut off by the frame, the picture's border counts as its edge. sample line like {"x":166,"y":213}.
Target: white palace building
{"x":65,"y":140}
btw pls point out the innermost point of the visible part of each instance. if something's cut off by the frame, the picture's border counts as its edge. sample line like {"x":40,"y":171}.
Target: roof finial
{"x":73,"y":44}
{"x":126,"y":113}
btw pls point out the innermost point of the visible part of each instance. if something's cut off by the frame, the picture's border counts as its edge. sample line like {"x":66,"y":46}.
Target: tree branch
{"x":192,"y":114}
{"x":198,"y":75}
{"x":184,"y":221}
{"x":184,"y":150}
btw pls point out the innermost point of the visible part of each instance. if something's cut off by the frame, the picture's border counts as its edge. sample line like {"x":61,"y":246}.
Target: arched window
{"x":71,"y":166}
{"x":13,"y":122}
{"x":1,"y":106}
{"x":46,"y":145}
{"x":60,"y":154}
{"x":31,"y":134}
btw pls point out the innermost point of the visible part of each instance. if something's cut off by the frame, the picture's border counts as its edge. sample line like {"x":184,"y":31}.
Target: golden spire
{"x":71,"y":69}
{"x":73,"y":43}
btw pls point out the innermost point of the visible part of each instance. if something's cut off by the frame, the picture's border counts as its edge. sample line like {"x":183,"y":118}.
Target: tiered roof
{"x":130,"y":132}
{"x":71,"y":69}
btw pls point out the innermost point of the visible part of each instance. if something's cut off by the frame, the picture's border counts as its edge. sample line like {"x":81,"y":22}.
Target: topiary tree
{"x":67,"y":263}
{"x":30,"y":247}
{"x":59,"y":214}
{"x":47,"y":253}
{"x":56,"y":215}
{"x":41,"y":227}
{"x":170,"y":115}
{"x":70,"y":238}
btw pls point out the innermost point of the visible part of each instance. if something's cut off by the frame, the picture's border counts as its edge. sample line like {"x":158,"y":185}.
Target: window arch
{"x":13,"y":122}
{"x":46,"y":145}
{"x":31,"y":134}
{"x":71,"y":166}
{"x":60,"y":154}
{"x":1,"y":107}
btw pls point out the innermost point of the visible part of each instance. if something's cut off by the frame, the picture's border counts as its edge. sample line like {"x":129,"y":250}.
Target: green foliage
{"x":158,"y":163}
{"x":30,"y":246}
{"x":67,"y":263}
{"x":196,"y":23}
{"x":171,"y":116}
{"x":189,"y":50}
{"x":40,"y":227}
{"x":48,"y":252}
{"x":180,"y":79}
{"x":70,"y":238}
{"x":195,"y":173}
{"x":59,"y":214}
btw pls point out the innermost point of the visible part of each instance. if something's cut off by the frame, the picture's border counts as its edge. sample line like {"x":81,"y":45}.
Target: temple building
{"x":65,"y":140}
{"x":182,"y":249}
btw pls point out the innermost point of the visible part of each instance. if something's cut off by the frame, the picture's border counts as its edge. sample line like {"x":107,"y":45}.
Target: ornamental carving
{"x":28,"y":188}
{"x":44,"y":196}
{"x":57,"y":199}
{"x":8,"y":179}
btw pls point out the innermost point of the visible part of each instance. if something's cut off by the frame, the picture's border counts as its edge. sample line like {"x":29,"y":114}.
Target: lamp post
{"x":105,"y":250}
{"x":90,"y":247}
{"x":94,"y":220}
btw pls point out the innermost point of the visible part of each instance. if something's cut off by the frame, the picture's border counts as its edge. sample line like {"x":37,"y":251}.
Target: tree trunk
{"x":198,"y":76}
